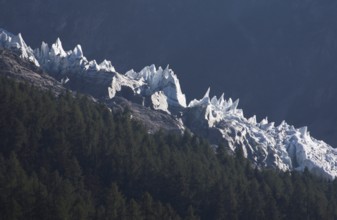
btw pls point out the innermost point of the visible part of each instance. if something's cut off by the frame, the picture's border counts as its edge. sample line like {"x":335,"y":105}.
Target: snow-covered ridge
{"x":266,"y":145}
{"x":283,"y":147}
{"x":161,"y":85}
{"x":216,"y":109}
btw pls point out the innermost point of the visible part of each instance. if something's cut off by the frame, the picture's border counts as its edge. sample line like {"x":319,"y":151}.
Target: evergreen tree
{"x":67,"y":157}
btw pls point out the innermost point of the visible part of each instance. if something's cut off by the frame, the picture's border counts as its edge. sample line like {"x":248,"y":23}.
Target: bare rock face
{"x":153,"y":120}
{"x":12,"y":66}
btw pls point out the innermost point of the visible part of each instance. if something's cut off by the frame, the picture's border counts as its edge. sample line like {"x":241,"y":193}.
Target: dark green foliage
{"x":69,"y":158}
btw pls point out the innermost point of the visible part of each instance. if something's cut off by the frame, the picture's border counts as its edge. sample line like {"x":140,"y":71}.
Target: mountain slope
{"x":67,"y":157}
{"x":277,"y":56}
{"x":266,"y":145}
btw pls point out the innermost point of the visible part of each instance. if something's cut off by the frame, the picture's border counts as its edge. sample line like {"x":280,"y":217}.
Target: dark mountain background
{"x":278,"y":56}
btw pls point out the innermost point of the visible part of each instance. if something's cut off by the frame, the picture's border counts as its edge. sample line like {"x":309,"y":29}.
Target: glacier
{"x":282,"y":147}
{"x":69,"y":67}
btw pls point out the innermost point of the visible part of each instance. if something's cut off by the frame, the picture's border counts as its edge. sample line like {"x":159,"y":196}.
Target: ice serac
{"x":161,"y":86}
{"x":17,"y":44}
{"x":58,"y":61}
{"x":77,"y":52}
{"x":106,"y":66}
{"x":160,"y":80}
{"x":74,"y":70}
{"x":283,"y":147}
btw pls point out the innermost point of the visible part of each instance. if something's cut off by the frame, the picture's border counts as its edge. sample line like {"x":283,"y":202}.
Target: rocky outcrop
{"x":12,"y":66}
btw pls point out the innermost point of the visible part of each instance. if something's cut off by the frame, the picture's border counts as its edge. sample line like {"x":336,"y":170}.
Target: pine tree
{"x":115,"y":204}
{"x":134,"y":212}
